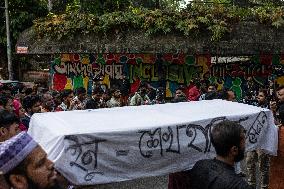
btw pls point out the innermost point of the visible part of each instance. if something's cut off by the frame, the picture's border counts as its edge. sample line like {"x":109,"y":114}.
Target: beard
{"x":33,"y":185}
{"x":240,"y":156}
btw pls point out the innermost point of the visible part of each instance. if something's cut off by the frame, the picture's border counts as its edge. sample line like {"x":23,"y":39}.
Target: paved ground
{"x":144,"y":183}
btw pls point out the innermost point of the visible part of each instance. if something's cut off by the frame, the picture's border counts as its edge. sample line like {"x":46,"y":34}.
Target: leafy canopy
{"x":197,"y":19}
{"x":21,"y":14}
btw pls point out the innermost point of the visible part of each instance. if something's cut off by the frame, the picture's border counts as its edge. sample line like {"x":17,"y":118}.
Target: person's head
{"x":231,"y":96}
{"x":228,"y":139}
{"x":143,"y":88}
{"x":211,"y":88}
{"x":193,"y":93}
{"x":97,"y":93}
{"x":81,"y":93}
{"x":211,"y":95}
{"x":40,"y":91}
{"x":6,"y":89}
{"x":32,"y":104}
{"x":116,"y":93}
{"x":9,"y":125}
{"x":28,"y":91}
{"x":35,"y":89}
{"x":250,"y":80}
{"x":227,"y":94}
{"x":19,"y":110}
{"x":6,"y":102}
{"x":179,"y":96}
{"x":29,"y":167}
{"x":280,"y":93}
{"x":106,"y":95}
{"x":56,"y":98}
{"x":262,"y":96}
{"x":179,"y":93}
{"x":271,"y":83}
{"x":91,"y":104}
{"x":66,"y":96}
{"x":160,"y":93}
{"x":47,"y":101}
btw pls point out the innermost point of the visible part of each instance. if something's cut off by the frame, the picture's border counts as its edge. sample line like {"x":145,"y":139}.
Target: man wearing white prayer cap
{"x":25,"y":165}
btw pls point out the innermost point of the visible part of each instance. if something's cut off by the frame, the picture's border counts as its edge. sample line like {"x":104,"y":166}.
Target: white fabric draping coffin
{"x":110,"y":145}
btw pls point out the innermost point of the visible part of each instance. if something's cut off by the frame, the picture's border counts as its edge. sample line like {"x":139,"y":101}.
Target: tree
{"x":158,"y":4}
{"x":243,"y":2}
{"x":99,"y":7}
{"x":21,"y":14}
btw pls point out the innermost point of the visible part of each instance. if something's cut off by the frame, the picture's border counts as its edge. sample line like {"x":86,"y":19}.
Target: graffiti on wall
{"x":71,"y":71}
{"x":258,"y":69}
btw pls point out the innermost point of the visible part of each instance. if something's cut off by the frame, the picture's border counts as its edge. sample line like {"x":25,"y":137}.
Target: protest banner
{"x":110,"y":145}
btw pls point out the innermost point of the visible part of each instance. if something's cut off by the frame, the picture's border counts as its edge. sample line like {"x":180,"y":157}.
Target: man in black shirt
{"x":228,"y":139}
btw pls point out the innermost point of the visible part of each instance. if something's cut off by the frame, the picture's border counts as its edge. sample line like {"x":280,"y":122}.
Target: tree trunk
{"x":157,"y":4}
{"x":49,"y":5}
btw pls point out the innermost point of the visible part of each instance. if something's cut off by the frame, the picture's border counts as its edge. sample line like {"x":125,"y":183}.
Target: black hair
{"x":43,"y":96}
{"x":223,"y":94}
{"x":97,"y":90}
{"x":113,"y":90}
{"x":4,"y":99}
{"x":211,"y":95}
{"x":65,"y":93}
{"x":30,"y":100}
{"x":28,"y":91}
{"x":108,"y":92}
{"x":6,"y":87}
{"x":55,"y":93}
{"x":160,"y":89}
{"x":225,"y":135}
{"x":181,"y":88}
{"x":80,"y":90}
{"x":7,"y":118}
{"x":264,"y":91}
{"x":213,"y":85}
{"x":280,"y":88}
{"x":91,"y":104}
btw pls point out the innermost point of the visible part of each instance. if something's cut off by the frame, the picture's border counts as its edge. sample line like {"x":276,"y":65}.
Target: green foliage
{"x":21,"y":13}
{"x":212,"y":19}
{"x":99,"y":7}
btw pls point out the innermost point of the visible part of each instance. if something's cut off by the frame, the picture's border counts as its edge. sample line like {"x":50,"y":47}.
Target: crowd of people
{"x":34,"y":170}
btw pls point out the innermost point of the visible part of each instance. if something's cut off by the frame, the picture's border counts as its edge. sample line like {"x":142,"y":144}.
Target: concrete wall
{"x":246,"y":38}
